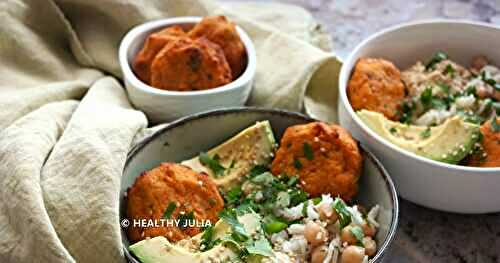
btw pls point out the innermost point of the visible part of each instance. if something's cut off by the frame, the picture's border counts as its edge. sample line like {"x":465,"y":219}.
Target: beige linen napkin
{"x":66,"y":124}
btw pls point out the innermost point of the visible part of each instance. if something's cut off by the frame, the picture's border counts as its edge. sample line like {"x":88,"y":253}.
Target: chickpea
{"x":479,"y":62}
{"x":347,"y":236}
{"x":370,"y":246}
{"x":483,"y":91}
{"x":368,"y":229}
{"x":327,"y":213}
{"x":496,"y":95}
{"x":352,"y":254}
{"x":315,"y":233}
{"x":318,"y":255}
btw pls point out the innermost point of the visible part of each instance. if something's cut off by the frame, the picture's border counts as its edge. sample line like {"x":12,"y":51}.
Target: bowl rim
{"x":390,"y":186}
{"x":134,"y":33}
{"x":345,"y":75}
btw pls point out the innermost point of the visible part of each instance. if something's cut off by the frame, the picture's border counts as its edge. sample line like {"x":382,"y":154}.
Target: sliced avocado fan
{"x":160,"y":250}
{"x":233,"y":159}
{"x":449,"y":142}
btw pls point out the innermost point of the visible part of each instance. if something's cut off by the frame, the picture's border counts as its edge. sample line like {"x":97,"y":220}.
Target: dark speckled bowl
{"x":187,"y":137}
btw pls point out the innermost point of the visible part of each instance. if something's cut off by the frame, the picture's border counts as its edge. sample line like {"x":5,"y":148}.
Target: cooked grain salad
{"x":437,"y":100}
{"x":291,"y":203}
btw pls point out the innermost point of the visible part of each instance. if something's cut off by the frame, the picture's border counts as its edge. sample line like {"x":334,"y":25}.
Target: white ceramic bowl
{"x":162,"y":105}
{"x":423,"y":181}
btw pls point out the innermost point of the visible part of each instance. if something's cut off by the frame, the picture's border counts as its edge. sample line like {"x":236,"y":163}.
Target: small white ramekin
{"x":163,"y":105}
{"x":426,"y":182}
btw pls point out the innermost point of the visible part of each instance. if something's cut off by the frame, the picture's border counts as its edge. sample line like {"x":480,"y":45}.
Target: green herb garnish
{"x":233,"y":195}
{"x":207,"y":241}
{"x":439,"y":103}
{"x":470,"y":117}
{"x":406,"y":113}
{"x":426,"y":97}
{"x":169,"y":210}
{"x":344,"y":214}
{"x":212,"y":163}
{"x":449,"y":70}
{"x":260,"y":247}
{"x":185,"y":219}
{"x":436,"y":58}
{"x":393,"y":130}
{"x":292,"y":181}
{"x":297,"y":164}
{"x":229,"y":216}
{"x":470,"y":90}
{"x":357,"y":232}
{"x":444,"y":87}
{"x":316,"y":200}
{"x":308,"y":151}
{"x":297,"y":196}
{"x":256,"y":170}
{"x":490,"y":81}
{"x":426,"y":133}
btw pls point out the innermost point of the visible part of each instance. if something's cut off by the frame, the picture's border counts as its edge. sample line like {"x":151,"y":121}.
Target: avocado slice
{"x":253,"y":146}
{"x":160,"y":250}
{"x":449,"y":142}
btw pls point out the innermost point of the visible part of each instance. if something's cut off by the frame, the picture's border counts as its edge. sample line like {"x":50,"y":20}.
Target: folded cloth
{"x":66,"y":124}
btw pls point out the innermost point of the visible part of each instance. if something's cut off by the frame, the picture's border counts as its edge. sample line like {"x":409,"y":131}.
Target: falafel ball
{"x":190,"y":64}
{"x":325,"y":157}
{"x":154,"y":43}
{"x":376,"y":85}
{"x":222,"y":32}
{"x":154,"y":191}
{"x":490,"y":144}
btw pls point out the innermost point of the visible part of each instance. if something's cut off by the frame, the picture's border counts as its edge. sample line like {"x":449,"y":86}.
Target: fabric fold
{"x":24,"y":222}
{"x":81,"y":178}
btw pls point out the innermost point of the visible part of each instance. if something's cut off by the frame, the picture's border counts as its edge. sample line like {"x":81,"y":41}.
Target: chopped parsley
{"x":470,"y":117}
{"x":449,"y":70}
{"x":292,"y":181}
{"x":406,"y":112}
{"x":344,"y":214}
{"x":393,"y":130}
{"x":185,"y":219}
{"x":426,"y":133}
{"x":213,"y":163}
{"x":169,"y":210}
{"x":207,"y":241}
{"x":297,"y":196}
{"x":436,"y":58}
{"x":470,"y":90}
{"x":234,"y":195}
{"x":229,"y":216}
{"x":257,"y":170}
{"x":426,"y":97}
{"x":261,"y":247}
{"x":490,"y":81}
{"x":297,"y":164}
{"x":308,"y":151}
{"x":444,"y":87}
